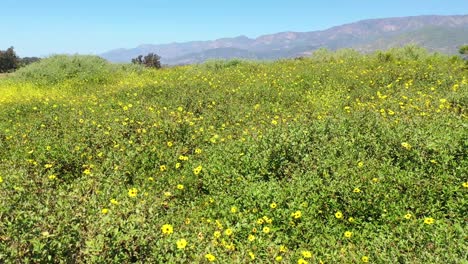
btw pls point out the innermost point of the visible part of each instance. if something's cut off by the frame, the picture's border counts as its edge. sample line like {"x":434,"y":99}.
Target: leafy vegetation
{"x":151,"y":60}
{"x":337,"y":158}
{"x":9,"y":61}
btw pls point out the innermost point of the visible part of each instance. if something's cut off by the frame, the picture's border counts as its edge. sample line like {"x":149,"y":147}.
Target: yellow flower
{"x":297,"y":214}
{"x":177,"y":165}
{"x":406,"y":145}
{"x":266,"y":230}
{"x":105,"y":211}
{"x":356,"y":190}
{"x":306,"y":254}
{"x":360,"y":164}
{"x":348,"y":234}
{"x":428,"y":220}
{"x":273,"y":205}
{"x":169,"y":143}
{"x":465,"y":184}
{"x":48,"y":166}
{"x":181,"y":243}
{"x":365,"y":259}
{"x":167,"y":194}
{"x":180,"y":186}
{"x":279,"y":258}
{"x":217,"y":234}
{"x":339,"y":215}
{"x":197,"y":170}
{"x":252,"y":255}
{"x":251,"y":238}
{"x":132,"y":192}
{"x":351,"y":220}
{"x":375,"y":179}
{"x":114,"y":201}
{"x":260,"y":221}
{"x":1,"y":179}
{"x":210,"y":257}
{"x":87,"y":172}
{"x":283,"y":249}
{"x":198,"y":151}
{"x":302,"y":261}
{"x":162,"y":168}
{"x":228,"y":232}
{"x":150,"y":179}
{"x":167,"y":229}
{"x":52,"y":177}
{"x":233,"y":209}
{"x":408,"y":216}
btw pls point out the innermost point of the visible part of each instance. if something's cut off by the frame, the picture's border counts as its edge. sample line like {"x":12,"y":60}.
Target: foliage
{"x":9,"y":61}
{"x":60,"y":68}
{"x":28,"y":60}
{"x":151,"y":60}
{"x":338,"y":159}
{"x":463,"y":49}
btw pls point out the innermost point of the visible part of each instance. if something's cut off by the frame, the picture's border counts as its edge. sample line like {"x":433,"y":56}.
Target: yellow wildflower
{"x":406,"y":145}
{"x":339,"y":215}
{"x":306,"y":254}
{"x":428,"y":220}
{"x":251,"y":238}
{"x":180,"y":186}
{"x":302,"y":261}
{"x":297,"y":214}
{"x":167,"y":229}
{"x":348,"y":234}
{"x":181,"y":243}
{"x":273,"y":205}
{"x":233,"y":209}
{"x":228,"y":232}
{"x":210,"y":257}
{"x":132,"y":192}
{"x":197,"y":170}
{"x":105,"y":211}
{"x":365,"y":259}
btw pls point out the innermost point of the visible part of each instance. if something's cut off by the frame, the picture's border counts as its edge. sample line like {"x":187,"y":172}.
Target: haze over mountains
{"x":437,"y":33}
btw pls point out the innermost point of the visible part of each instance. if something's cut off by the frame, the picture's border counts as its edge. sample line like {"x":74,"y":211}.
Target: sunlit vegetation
{"x":337,"y":158}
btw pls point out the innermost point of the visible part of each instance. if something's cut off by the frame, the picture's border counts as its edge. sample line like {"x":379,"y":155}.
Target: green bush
{"x":59,"y":68}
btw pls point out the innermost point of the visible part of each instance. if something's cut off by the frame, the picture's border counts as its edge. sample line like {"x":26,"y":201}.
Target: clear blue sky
{"x":44,"y":27}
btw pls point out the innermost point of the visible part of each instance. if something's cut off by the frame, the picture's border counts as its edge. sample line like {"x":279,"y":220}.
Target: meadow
{"x":336,"y":158}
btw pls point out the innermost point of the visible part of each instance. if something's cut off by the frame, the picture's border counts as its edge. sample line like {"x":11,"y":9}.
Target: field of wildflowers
{"x":338,"y":158}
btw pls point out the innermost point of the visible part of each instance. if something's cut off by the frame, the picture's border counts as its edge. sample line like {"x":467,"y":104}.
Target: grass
{"x":334,"y":159}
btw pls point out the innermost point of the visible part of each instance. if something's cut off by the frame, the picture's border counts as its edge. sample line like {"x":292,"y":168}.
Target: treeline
{"x":9,"y":61}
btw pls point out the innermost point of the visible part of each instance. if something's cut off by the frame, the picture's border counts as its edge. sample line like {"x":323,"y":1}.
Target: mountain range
{"x":436,"y":33}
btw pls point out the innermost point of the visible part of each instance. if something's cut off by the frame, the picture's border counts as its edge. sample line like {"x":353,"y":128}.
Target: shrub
{"x":59,"y":68}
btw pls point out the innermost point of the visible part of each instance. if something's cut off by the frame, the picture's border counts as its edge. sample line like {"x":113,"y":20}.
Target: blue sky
{"x":44,"y":27}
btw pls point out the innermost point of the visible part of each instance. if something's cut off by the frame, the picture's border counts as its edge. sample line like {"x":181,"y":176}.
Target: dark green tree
{"x":8,"y":60}
{"x":152,"y":60}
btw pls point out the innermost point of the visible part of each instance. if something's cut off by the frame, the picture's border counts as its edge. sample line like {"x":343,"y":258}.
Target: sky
{"x":45,"y":27}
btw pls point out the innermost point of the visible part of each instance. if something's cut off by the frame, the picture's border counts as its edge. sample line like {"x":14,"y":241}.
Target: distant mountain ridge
{"x":436,"y":33}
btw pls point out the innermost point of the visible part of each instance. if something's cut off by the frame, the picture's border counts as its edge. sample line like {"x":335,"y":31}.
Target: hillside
{"x":337,"y":158}
{"x":436,"y":33}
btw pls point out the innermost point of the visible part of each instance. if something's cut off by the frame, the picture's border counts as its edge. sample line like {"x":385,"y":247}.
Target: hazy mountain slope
{"x":438,"y":33}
